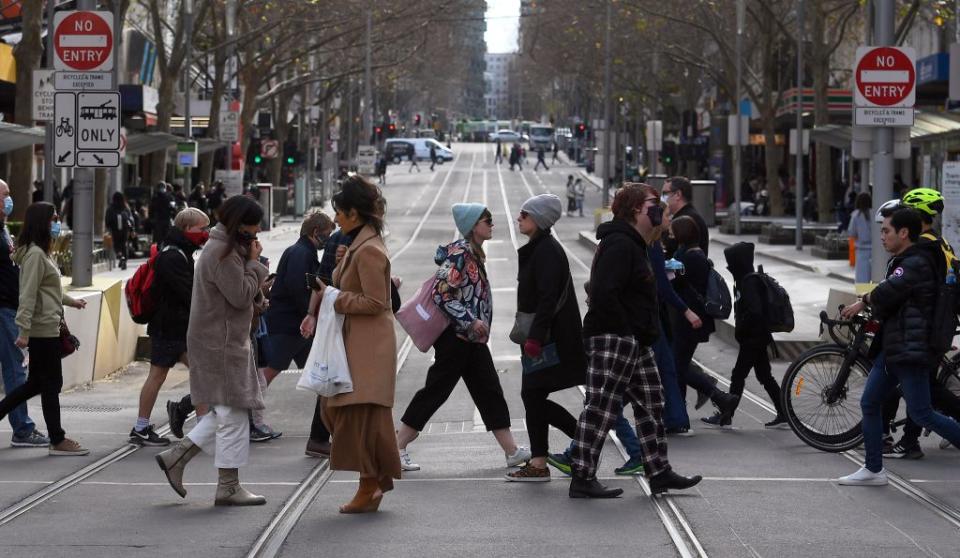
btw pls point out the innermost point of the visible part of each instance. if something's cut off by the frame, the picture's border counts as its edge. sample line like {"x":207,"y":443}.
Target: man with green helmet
{"x":929,"y":203}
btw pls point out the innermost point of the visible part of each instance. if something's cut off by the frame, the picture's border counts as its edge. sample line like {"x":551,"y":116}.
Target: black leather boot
{"x":667,"y":480}
{"x":591,"y":488}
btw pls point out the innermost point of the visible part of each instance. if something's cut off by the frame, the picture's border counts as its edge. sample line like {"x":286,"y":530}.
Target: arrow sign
{"x":64,"y":157}
{"x":97,"y":158}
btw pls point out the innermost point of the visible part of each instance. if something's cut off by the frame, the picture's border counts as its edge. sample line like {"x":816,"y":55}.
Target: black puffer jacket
{"x":172,"y":288}
{"x":748,"y":292}
{"x":623,"y":289}
{"x":904,"y":303}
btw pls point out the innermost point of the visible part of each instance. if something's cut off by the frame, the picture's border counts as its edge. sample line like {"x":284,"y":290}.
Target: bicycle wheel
{"x":831,"y":427}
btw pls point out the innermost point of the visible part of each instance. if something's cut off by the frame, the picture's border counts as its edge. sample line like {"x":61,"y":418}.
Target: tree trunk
{"x":770,"y":158}
{"x":216,"y":99}
{"x":821,"y":117}
{"x":281,"y":126}
{"x":165,"y":106}
{"x":27,"y":55}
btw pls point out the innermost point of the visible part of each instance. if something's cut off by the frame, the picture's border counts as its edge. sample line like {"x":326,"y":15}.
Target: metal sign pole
{"x":48,"y":168}
{"x":799,"y":189}
{"x":82,"y":273}
{"x":882,"y":144}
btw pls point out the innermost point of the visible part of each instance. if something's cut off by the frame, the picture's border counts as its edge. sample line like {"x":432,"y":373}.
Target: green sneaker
{"x":632,"y":467}
{"x":560,"y":462}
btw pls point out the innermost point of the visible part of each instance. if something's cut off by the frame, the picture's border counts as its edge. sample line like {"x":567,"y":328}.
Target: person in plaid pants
{"x":620,"y":326}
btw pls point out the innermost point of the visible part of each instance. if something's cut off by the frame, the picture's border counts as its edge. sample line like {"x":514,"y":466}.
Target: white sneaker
{"x":406,"y":463}
{"x":944,"y":443}
{"x":519,"y":457}
{"x":864,"y":477}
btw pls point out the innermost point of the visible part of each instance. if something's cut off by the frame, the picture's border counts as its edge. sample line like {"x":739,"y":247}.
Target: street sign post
{"x":187,"y":154}
{"x":65,"y":129}
{"x":269,"y":148}
{"x":82,"y":81}
{"x":98,"y":121}
{"x":885,"y":86}
{"x":229,"y":125}
{"x":43,"y":91}
{"x":83,"y":41}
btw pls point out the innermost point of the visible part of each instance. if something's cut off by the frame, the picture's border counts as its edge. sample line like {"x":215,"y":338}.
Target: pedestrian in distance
{"x":412,"y":153}
{"x":25,"y":433}
{"x":540,"y":159}
{"x":514,"y":156}
{"x":223,"y":375}
{"x":693,"y":326}
{"x":579,"y":193}
{"x":290,"y":302}
{"x":362,"y":420}
{"x":860,"y":230}
{"x":462,"y":292}
{"x":678,"y":194}
{"x":752,"y":333}
{"x":214,"y":199}
{"x":198,"y":197}
{"x":904,"y":303}
{"x":622,"y":323}
{"x":556,"y":153}
{"x":172,"y":292}
{"x":162,"y":210}
{"x":433,"y":156}
{"x":382,"y":170}
{"x":119,"y":221}
{"x":498,"y":156}
{"x":38,"y":319}
{"x":545,"y":289}
{"x":571,"y":196}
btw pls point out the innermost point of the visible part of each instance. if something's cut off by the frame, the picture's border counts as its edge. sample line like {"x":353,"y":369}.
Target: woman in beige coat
{"x":361,"y":421}
{"x":226,"y":287}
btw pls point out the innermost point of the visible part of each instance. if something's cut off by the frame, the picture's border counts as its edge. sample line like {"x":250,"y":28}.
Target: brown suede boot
{"x":174,"y":460}
{"x":366,"y":500}
{"x":230,"y":493}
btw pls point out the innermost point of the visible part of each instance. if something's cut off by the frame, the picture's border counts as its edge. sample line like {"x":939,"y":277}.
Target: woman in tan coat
{"x":226,"y":287}
{"x":361,"y":421}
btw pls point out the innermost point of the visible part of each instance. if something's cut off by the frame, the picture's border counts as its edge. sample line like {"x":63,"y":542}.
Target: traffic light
{"x":392,"y":130}
{"x":669,"y":152}
{"x":291,"y":155}
{"x":416,"y":120}
{"x":378,"y":133}
{"x":257,"y":159}
{"x":581,"y":130}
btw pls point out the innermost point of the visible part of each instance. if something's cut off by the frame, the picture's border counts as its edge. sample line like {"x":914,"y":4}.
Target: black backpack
{"x":717,"y":302}
{"x":776,"y":303}
{"x":943,"y":325}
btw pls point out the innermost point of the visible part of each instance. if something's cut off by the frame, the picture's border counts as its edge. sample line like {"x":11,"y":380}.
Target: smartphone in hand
{"x":313,"y":282}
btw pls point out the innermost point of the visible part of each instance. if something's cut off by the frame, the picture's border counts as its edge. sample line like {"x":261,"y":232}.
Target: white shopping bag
{"x":326,"y":372}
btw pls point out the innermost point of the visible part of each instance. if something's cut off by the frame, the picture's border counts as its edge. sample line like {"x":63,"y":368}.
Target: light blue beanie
{"x":466,"y":215}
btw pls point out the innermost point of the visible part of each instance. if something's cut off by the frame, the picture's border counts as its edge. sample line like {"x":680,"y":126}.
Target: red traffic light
{"x":378,"y":129}
{"x":393,"y":127}
{"x":582,"y":127}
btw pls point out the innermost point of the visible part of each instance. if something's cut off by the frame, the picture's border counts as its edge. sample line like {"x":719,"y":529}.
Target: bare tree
{"x":27,"y":54}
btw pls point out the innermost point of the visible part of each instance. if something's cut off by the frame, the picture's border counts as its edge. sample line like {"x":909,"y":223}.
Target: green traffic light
{"x":290,"y":160}
{"x":257,"y":159}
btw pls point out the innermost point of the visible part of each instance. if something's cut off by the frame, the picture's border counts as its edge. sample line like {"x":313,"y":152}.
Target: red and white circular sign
{"x":269,"y":148}
{"x":83,"y":41}
{"x":885,"y":77}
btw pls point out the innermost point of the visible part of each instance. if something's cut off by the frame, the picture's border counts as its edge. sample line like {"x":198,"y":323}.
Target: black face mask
{"x":655,"y":214}
{"x":245,"y":239}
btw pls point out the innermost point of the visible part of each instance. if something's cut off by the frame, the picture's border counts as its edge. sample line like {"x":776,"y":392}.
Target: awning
{"x":149,"y":142}
{"x":15,"y":136}
{"x":206,"y":145}
{"x":927,"y":126}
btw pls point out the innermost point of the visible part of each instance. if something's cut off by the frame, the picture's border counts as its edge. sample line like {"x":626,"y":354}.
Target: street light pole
{"x":798,"y":190}
{"x":367,"y":90}
{"x":737,"y":171}
{"x":187,"y":117}
{"x":883,"y":25}
{"x":231,"y":23}
{"x":606,"y":110}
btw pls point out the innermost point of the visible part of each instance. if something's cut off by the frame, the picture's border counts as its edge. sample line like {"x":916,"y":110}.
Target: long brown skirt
{"x":364,"y":440}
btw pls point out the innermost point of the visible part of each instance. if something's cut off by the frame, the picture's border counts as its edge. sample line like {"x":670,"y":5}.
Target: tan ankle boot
{"x":366,"y":500}
{"x":230,"y":493}
{"x":174,"y":460}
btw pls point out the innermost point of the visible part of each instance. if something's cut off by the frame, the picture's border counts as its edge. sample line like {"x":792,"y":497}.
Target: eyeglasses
{"x":524,"y":214}
{"x":669,"y":192}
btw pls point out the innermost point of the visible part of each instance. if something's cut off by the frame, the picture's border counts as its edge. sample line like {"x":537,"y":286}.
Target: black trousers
{"x":455,"y":359}
{"x":755,"y":357}
{"x":318,"y":431}
{"x":45,"y":379}
{"x":120,"y":246}
{"x":684,"y":347}
{"x":541,"y":413}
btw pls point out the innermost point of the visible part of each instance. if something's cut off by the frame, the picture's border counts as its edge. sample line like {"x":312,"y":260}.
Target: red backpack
{"x":139,"y":297}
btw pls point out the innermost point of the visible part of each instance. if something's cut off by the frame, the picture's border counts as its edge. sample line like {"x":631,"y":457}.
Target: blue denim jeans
{"x":627,"y":435}
{"x":915,"y":385}
{"x":675,"y":407}
{"x":11,"y":362}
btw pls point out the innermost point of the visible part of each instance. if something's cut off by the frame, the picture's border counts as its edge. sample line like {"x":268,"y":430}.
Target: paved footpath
{"x":764,"y":493}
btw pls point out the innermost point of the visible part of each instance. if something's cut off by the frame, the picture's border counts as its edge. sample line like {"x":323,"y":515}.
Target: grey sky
{"x":503,"y":18}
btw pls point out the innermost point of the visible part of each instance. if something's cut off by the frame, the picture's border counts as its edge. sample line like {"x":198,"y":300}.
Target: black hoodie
{"x":623,"y":289}
{"x":749,"y":316}
{"x":904,"y":302}
{"x":172,"y":288}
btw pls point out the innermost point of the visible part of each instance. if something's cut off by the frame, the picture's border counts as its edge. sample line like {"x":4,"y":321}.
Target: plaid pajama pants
{"x":620,"y":371}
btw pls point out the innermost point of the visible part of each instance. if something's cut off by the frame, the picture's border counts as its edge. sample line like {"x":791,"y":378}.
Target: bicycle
{"x":64,"y":128}
{"x":821,"y":389}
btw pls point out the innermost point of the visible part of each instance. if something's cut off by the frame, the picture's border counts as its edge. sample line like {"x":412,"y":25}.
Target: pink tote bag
{"x":421,"y":318}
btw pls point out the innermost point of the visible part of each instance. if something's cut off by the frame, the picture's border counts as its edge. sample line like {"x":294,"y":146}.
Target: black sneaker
{"x":778,"y":423}
{"x":257,"y":435}
{"x":900,"y":451}
{"x":703,"y":397}
{"x":177,"y":415}
{"x":560,"y":462}
{"x":887,"y":443}
{"x":718,"y":420}
{"x":147,"y":437}
{"x":35,"y":439}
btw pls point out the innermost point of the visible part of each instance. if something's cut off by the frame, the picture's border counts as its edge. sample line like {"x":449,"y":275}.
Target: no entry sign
{"x":83,"y":41}
{"x":885,"y":77}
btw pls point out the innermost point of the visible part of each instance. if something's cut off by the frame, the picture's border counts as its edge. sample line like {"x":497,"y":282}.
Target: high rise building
{"x":497,"y":77}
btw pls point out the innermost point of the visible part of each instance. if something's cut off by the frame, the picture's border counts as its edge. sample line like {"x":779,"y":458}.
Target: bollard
{"x":852,"y":250}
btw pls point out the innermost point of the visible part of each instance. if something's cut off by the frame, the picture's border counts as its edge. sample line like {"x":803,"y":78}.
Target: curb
{"x":800,"y":265}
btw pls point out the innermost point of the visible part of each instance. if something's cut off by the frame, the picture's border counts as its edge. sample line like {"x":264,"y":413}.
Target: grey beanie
{"x":545,"y":210}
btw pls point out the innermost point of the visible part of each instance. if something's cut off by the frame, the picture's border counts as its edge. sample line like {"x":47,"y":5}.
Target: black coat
{"x":290,"y":295}
{"x":543,"y":277}
{"x":118,"y":219}
{"x":623,"y":289}
{"x":692,"y":288}
{"x":670,"y":244}
{"x":750,"y":318}
{"x":172,"y":288}
{"x":904,"y":303}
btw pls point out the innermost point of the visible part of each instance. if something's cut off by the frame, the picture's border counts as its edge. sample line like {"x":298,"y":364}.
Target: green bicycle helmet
{"x":927,"y":200}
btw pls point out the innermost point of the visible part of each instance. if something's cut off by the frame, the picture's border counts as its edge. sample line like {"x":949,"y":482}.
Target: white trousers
{"x":225,"y":433}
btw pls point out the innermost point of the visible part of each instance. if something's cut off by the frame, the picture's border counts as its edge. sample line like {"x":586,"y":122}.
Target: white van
{"x":397,"y":150}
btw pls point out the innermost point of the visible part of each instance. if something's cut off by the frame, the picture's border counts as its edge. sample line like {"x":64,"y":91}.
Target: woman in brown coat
{"x":226,"y":287}
{"x":361,"y":421}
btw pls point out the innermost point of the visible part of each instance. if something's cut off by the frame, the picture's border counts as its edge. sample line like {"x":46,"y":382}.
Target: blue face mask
{"x":8,"y":206}
{"x":55,"y":229}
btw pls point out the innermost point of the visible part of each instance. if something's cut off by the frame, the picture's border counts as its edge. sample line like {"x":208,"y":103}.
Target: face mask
{"x":8,"y":206}
{"x":55,"y":229}
{"x":655,"y":214}
{"x":198,"y":238}
{"x":245,"y":238}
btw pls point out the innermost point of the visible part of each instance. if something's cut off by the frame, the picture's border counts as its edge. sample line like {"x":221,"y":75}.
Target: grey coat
{"x":222,"y":369}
